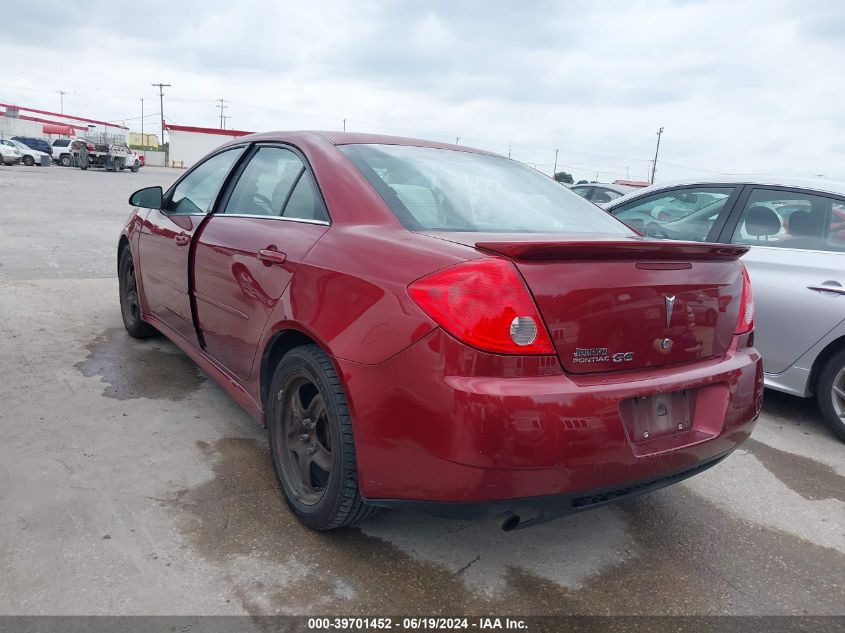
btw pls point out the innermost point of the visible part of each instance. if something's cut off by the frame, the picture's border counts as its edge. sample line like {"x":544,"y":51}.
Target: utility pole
{"x":457,"y":140}
{"x":161,"y":88}
{"x":222,"y":105}
{"x":656,"y":149}
{"x":554,"y":171}
{"x":143,"y":141}
{"x":225,"y":118}
{"x":344,"y":125}
{"x":62,"y":94}
{"x":509,"y":150}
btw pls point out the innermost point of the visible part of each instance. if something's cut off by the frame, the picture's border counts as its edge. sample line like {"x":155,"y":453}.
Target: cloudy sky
{"x":740,"y":86}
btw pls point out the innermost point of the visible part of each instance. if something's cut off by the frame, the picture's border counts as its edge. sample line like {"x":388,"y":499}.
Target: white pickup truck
{"x":102,"y":150}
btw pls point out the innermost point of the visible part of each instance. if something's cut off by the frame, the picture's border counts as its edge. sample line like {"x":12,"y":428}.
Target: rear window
{"x":448,"y":190}
{"x":61,"y":142}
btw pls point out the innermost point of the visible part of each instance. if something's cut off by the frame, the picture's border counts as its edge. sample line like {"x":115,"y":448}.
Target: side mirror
{"x":147,"y":198}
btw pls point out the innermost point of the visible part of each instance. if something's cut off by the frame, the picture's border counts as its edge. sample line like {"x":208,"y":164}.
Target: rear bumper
{"x":441,"y":422}
{"x":534,"y":510}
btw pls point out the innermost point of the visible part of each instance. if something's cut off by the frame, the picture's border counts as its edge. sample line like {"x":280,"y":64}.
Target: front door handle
{"x":271,"y":257}
{"x":183,"y":239}
{"x":829,"y":286}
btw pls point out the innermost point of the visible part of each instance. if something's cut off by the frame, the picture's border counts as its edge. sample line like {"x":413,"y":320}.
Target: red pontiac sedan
{"x":438,"y":328}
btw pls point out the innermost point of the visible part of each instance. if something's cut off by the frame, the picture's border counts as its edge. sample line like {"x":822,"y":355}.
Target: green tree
{"x":582,"y":182}
{"x":562,"y":176}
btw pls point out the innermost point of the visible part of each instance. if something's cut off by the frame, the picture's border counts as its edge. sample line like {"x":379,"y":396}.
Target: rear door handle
{"x":183,"y":239}
{"x":271,"y":257}
{"x":829,"y":286}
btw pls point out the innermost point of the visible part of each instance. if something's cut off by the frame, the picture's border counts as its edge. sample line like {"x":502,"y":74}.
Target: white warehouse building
{"x":188,"y":144}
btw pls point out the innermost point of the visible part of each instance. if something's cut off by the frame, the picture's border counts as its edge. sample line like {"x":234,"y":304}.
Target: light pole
{"x":656,"y":150}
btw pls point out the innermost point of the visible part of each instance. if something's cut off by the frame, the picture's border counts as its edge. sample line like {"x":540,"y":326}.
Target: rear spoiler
{"x":616,"y":250}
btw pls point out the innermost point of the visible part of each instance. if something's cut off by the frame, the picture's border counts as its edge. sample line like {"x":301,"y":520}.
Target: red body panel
{"x":165,"y":280}
{"x":235,"y":291}
{"x":444,"y":422}
{"x":433,"y":418}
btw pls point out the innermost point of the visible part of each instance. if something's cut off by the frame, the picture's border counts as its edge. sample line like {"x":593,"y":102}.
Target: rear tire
{"x":130,"y":304}
{"x":830,"y":393}
{"x":311,"y":441}
{"x":136,"y":167}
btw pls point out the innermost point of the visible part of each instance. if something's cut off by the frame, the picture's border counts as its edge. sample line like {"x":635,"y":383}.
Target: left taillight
{"x":485,"y":304}
{"x":745,"y":323}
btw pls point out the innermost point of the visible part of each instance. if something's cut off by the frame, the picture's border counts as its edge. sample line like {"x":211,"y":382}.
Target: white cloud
{"x":739,"y":87}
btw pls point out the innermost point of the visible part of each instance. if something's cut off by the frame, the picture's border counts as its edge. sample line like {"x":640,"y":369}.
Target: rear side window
{"x":449,"y":190}
{"x":276,"y":182}
{"x":681,"y":214}
{"x":785,"y":219}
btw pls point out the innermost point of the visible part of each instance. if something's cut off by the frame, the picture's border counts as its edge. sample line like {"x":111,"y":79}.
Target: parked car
{"x":433,"y":327}
{"x":795,"y":229}
{"x":66,"y":149}
{"x":601,"y":193}
{"x":35,"y":143}
{"x":30,"y":156}
{"x":9,"y":153}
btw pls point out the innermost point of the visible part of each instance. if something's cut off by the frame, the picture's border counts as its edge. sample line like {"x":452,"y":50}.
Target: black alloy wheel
{"x":311,"y":441}
{"x":130,"y":305}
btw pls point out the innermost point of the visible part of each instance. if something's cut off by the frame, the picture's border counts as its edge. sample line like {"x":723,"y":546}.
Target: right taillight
{"x":485,"y":304}
{"x":745,"y":323}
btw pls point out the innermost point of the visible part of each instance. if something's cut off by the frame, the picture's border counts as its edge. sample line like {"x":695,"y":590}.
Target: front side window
{"x":682,"y":214}
{"x":449,"y":190}
{"x":275,"y":182}
{"x":198,"y":190}
{"x":786,"y":219}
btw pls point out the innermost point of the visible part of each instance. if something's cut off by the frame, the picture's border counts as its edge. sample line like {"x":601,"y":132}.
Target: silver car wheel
{"x":838,"y":393}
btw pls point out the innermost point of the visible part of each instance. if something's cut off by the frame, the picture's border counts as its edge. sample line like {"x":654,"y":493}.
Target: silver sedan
{"x":796,"y":230}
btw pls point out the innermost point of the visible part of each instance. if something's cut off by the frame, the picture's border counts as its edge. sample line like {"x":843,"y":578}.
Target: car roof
{"x":821,"y":185}
{"x":355,"y":138}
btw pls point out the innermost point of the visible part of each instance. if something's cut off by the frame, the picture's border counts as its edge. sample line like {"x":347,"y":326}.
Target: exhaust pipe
{"x":510,"y":521}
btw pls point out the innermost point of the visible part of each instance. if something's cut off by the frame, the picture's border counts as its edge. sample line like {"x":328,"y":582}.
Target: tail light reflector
{"x":485,"y":304}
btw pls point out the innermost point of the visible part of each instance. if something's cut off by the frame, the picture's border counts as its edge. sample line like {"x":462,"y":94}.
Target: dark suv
{"x":35,"y":143}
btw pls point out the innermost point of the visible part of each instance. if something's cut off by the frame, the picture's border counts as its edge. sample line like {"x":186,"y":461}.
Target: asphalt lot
{"x":131,"y":484}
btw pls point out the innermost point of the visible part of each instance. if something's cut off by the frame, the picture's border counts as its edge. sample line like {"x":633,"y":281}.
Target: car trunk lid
{"x":615,"y":304}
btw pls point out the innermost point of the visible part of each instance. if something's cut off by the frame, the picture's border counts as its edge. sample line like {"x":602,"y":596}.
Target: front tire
{"x":65,"y":160}
{"x":311,"y":441}
{"x":130,"y":304}
{"x":830,"y":393}
{"x":28,"y":161}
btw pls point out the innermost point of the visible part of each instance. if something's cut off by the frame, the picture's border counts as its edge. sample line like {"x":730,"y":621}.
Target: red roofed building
{"x":18,"y":120}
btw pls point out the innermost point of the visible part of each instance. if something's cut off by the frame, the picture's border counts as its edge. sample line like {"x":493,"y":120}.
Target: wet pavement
{"x":131,"y":484}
